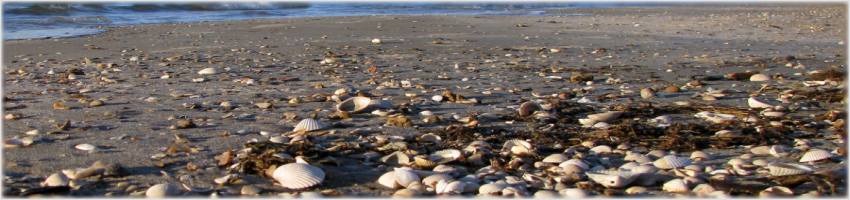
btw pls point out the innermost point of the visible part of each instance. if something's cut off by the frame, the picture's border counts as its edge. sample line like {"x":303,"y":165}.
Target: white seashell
{"x":432,"y":180}
{"x":703,"y":189}
{"x":575,"y":162}
{"x":388,"y":180}
{"x":555,"y":158}
{"x":788,"y":169}
{"x":574,"y":193}
{"x":675,"y":186}
{"x":308,"y":125}
{"x":527,"y":108}
{"x":446,"y":187}
{"x":601,"y":125}
{"x":405,"y":193}
{"x":447,"y":155}
{"x":437,"y":98}
{"x":380,"y":113}
{"x":760,"y":150}
{"x":815,"y":155}
{"x":376,"y":41}
{"x":639,"y":158}
{"x":601,"y":149}
{"x":755,"y":103}
{"x":727,"y":133}
{"x":86,"y":147}
{"x":606,"y":116}
{"x":426,"y":113}
{"x":586,"y":122}
{"x":405,"y":176}
{"x":634,"y":190}
{"x":546,"y":194}
{"x":492,"y":188}
{"x":699,"y":155}
{"x":643,"y":169}
{"x":671,"y":162}
{"x":162,"y":190}
{"x":57,"y":179}
{"x":779,"y":151}
{"x":517,"y":147}
{"x":773,"y":114}
{"x":759,"y":78}
{"x":354,"y":104}
{"x":610,"y":178}
{"x":776,"y":191}
{"x":298,"y":175}
{"x":717,"y":118}
{"x":396,"y":158}
{"x":279,"y":139}
{"x":208,"y":71}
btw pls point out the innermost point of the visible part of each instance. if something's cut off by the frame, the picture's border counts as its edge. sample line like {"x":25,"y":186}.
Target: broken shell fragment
{"x":208,"y":71}
{"x":755,"y":103}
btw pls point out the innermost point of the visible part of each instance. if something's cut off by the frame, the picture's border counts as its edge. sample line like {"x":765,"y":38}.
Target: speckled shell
{"x":605,"y":117}
{"x":675,"y":186}
{"x":610,"y":178}
{"x":815,"y":155}
{"x":527,"y":108}
{"x":308,"y":125}
{"x":298,"y":175}
{"x":354,"y":104}
{"x":671,"y":162}
{"x":405,"y":176}
{"x":788,"y":169}
{"x":388,"y":180}
{"x":555,"y":158}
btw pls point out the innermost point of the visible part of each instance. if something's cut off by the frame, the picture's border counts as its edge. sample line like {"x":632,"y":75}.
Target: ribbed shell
{"x":671,"y":162}
{"x":755,"y":103}
{"x":815,"y":155}
{"x":527,"y":108}
{"x":308,"y":125}
{"x":354,"y":104}
{"x":555,"y":158}
{"x":788,"y":169}
{"x":298,"y":175}
{"x":675,"y":186}
{"x":611,"y":178}
{"x":405,"y":176}
{"x":606,"y":116}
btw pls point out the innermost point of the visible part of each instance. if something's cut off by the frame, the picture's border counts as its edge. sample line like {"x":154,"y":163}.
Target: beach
{"x":146,"y":79}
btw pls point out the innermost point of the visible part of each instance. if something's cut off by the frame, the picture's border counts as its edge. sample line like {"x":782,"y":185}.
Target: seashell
{"x":755,"y":103}
{"x":423,"y":161}
{"x":601,"y":125}
{"x":662,"y":121}
{"x":446,"y":187}
{"x":437,"y":98}
{"x":657,"y":153}
{"x":376,"y":41}
{"x":388,"y":180}
{"x":527,"y":108}
{"x":629,"y":165}
{"x":419,"y":187}
{"x":635,"y":190}
{"x":606,"y":116}
{"x":574,"y":193}
{"x":788,"y":169}
{"x":776,"y":114}
{"x":586,"y":122}
{"x":779,"y":151}
{"x":396,"y":158}
{"x":354,"y":104}
{"x":639,"y":158}
{"x":57,"y":179}
{"x":776,"y":191}
{"x":736,"y":162}
{"x":647,"y":93}
{"x":208,"y":71}
{"x":759,"y":77}
{"x":430,"y":137}
{"x":717,"y":118}
{"x":447,"y":155}
{"x":699,"y":155}
{"x":308,"y":125}
{"x":571,"y":169}
{"x":405,"y":176}
{"x":601,"y":149}
{"x":380,"y":113}
{"x":815,"y":155}
{"x":432,"y":180}
{"x":727,"y":133}
{"x":426,"y":113}
{"x":517,"y":147}
{"x":298,"y":175}
{"x":643,"y":169}
{"x":492,"y":188}
{"x":760,"y":162}
{"x":576,"y":162}
{"x":405,"y":193}
{"x":671,"y":162}
{"x":546,"y":194}
{"x":760,"y":150}
{"x":555,"y":158}
{"x":703,"y":189}
{"x":611,"y":178}
{"x":86,"y":147}
{"x":163,"y":190}
{"x":675,"y":186}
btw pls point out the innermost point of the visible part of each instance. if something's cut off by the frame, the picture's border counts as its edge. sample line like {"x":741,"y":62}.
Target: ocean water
{"x":51,"y":20}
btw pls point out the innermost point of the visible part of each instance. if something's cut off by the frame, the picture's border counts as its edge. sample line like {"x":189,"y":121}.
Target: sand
{"x":644,"y":47}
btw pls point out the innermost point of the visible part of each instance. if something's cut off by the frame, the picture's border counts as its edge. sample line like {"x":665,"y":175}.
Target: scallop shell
{"x":162,"y":190}
{"x":527,"y":108}
{"x":675,"y":186}
{"x":555,"y":158}
{"x":492,"y":188}
{"x":671,"y":162}
{"x":298,"y":175}
{"x":405,"y":176}
{"x":755,"y":103}
{"x":308,"y":125}
{"x":447,"y":155}
{"x":432,"y":180}
{"x":759,"y":77}
{"x":57,"y":179}
{"x":815,"y":155}
{"x":611,"y":178}
{"x":388,"y":180}
{"x":208,"y":71}
{"x":354,"y":104}
{"x":788,"y":169}
{"x":606,"y":116}
{"x":517,"y":147}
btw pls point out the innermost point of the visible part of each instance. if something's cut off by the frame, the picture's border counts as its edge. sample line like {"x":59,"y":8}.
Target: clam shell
{"x":778,"y":151}
{"x":760,"y":150}
{"x":446,"y":155}
{"x":610,"y":178}
{"x":788,"y":169}
{"x":354,"y":104}
{"x":527,"y":108}
{"x":573,"y":193}
{"x":634,"y":190}
{"x":405,"y":176}
{"x":755,"y":103}
{"x":776,"y":191}
{"x":675,"y":186}
{"x":586,"y":122}
{"x":162,"y":190}
{"x":601,"y":149}
{"x":57,"y":179}
{"x":86,"y":147}
{"x":703,"y":189}
{"x":606,"y":116}
{"x":759,"y":77}
{"x":717,"y":118}
{"x":671,"y":162}
{"x":308,"y":125}
{"x":208,"y":71}
{"x":298,"y":175}
{"x":405,"y":193}
{"x":517,"y":147}
{"x":388,"y":180}
{"x":555,"y":158}
{"x":446,"y":187}
{"x":699,"y":155}
{"x":575,"y":162}
{"x":815,"y":155}
{"x":432,"y":180}
{"x":492,"y":188}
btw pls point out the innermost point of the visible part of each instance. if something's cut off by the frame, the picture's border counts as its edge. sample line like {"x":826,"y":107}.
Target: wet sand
{"x":501,"y":61}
